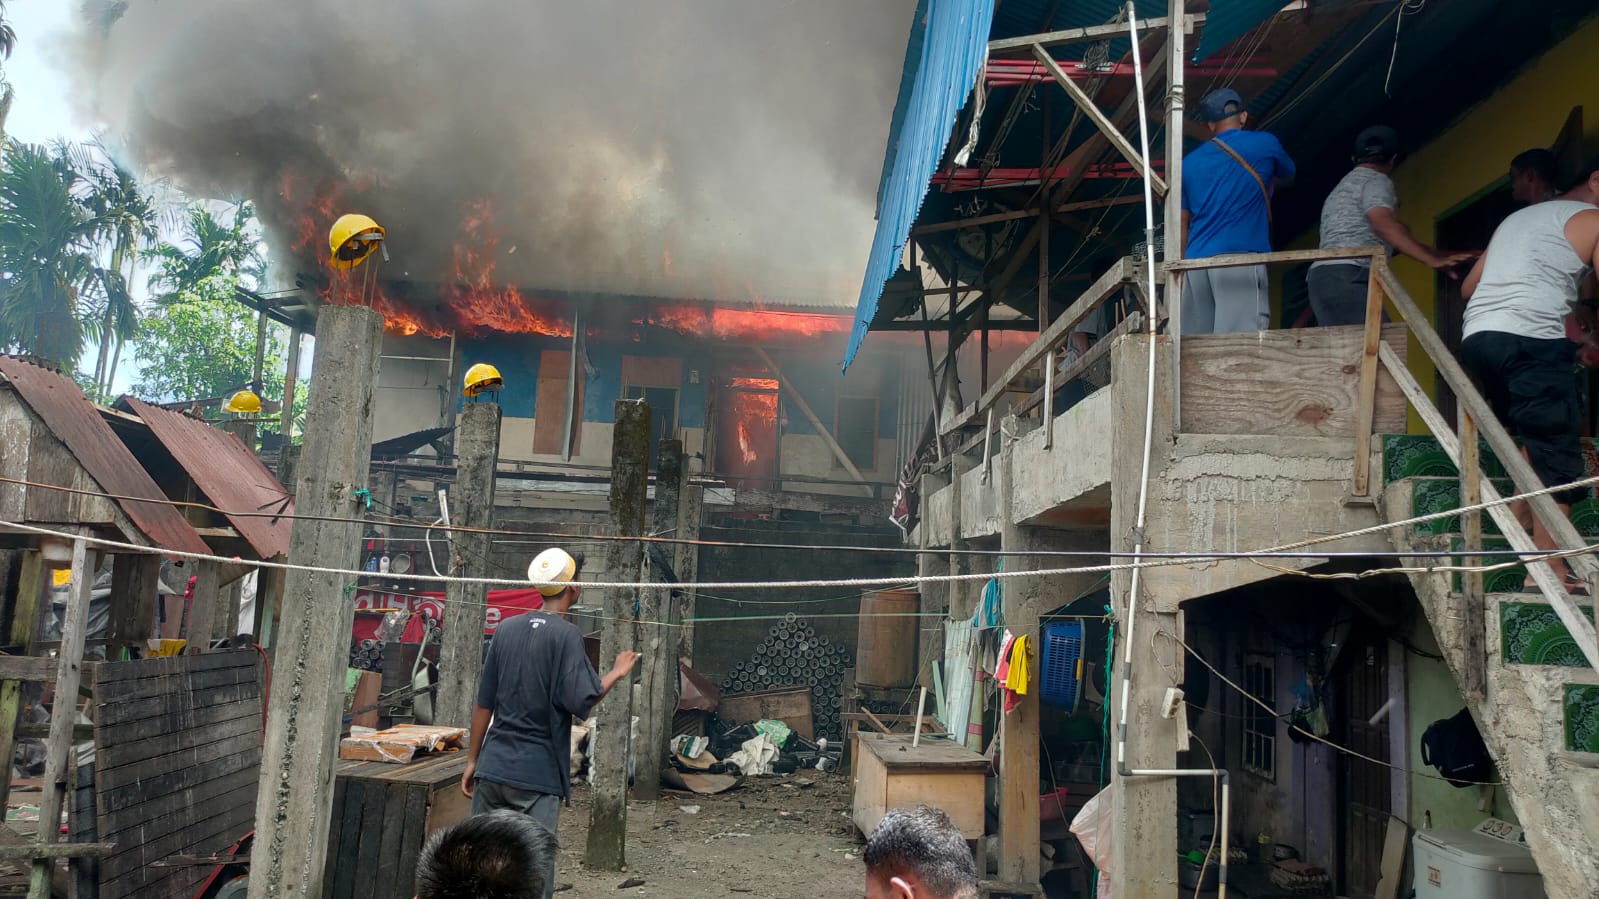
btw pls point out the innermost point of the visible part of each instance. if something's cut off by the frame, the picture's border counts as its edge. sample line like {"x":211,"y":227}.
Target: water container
{"x":885,"y":651}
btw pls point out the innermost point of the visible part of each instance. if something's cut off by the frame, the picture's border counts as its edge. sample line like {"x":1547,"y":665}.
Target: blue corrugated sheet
{"x":948,"y":42}
{"x":1229,"y":20}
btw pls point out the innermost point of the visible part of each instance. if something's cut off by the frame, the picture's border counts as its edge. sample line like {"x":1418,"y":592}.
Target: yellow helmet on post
{"x":353,"y":238}
{"x":482,"y":378}
{"x":244,"y":402}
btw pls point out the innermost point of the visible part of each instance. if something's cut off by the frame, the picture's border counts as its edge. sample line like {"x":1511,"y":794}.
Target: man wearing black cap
{"x":1227,"y":187}
{"x":1360,"y":213}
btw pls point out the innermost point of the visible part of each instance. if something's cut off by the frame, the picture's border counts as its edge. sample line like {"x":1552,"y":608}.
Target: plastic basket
{"x":1061,"y":663}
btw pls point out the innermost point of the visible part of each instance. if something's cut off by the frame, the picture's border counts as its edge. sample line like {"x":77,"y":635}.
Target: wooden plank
{"x":895,"y":752}
{"x":1058,"y":330}
{"x":791,"y":705}
{"x":341,"y":792}
{"x":49,"y":462}
{"x":58,"y":749}
{"x":202,"y":717}
{"x":19,"y":630}
{"x":1230,"y":260}
{"x":366,"y":697}
{"x":149,"y":817}
{"x":13,"y":852}
{"x":1101,"y":348}
{"x":366,"y":855}
{"x":387,"y":871}
{"x":1566,"y":609}
{"x":1298,"y":383}
{"x":1473,"y":611}
{"x":1092,"y":111}
{"x":411,"y":838}
{"x":207,"y":618}
{"x":135,"y":586}
{"x":28,"y":668}
{"x":133,"y":792}
{"x":125,"y":775}
{"x":351,"y":828}
{"x":183,"y":744}
{"x":1394,"y":844}
{"x":160,"y":708}
{"x":1082,"y":35}
{"x":207,"y":830}
{"x":1367,"y":398}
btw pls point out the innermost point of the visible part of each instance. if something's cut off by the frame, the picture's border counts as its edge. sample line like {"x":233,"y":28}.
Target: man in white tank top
{"x":1518,"y":295}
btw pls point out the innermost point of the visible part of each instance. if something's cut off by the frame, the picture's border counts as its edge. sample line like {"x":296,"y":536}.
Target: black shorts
{"x":1531,"y":386}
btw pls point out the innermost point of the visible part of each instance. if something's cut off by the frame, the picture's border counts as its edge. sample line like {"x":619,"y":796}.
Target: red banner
{"x":503,"y":604}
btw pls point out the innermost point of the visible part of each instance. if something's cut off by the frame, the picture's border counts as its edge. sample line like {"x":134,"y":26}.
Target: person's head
{"x":1585,"y":186}
{"x":500,"y":855}
{"x":1378,"y":148}
{"x":1223,"y":110}
{"x":1532,"y":176}
{"x":917,"y":852}
{"x":556,"y":571}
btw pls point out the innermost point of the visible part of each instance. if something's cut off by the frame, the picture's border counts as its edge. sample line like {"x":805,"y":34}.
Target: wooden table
{"x":382,"y":813}
{"x":890,"y":773}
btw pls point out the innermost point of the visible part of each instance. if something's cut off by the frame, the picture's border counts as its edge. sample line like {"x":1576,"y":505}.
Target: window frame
{"x":1259,"y":729}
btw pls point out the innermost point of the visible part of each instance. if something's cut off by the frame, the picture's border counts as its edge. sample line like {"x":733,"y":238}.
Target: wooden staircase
{"x":1529,"y":684}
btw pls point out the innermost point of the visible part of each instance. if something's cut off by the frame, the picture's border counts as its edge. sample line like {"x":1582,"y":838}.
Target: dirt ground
{"x":787,"y":837}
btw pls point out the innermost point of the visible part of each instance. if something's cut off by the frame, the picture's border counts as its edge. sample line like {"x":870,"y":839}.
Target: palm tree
{"x":211,"y":248}
{"x":129,"y":224}
{"x":8,"y":35}
{"x":48,"y":235}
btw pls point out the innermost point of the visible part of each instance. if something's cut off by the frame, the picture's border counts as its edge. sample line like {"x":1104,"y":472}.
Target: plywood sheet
{"x":1298,"y":383}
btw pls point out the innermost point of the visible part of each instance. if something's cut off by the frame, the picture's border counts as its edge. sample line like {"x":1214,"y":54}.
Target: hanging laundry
{"x":1018,"y":672}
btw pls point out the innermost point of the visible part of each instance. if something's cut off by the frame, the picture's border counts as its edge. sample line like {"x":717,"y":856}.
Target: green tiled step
{"x":1502,"y":580}
{"x":1420,"y":456}
{"x":1437,"y":494}
{"x":1530,"y":633}
{"x":1582,"y":717}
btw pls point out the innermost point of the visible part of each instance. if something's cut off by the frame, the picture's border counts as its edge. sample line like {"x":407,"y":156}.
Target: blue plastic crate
{"x":1061,"y":663}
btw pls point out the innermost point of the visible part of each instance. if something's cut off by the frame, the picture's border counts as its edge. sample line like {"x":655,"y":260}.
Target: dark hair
{"x":500,"y":855}
{"x":925,"y":843}
{"x":577,"y":563}
{"x":1539,"y":162}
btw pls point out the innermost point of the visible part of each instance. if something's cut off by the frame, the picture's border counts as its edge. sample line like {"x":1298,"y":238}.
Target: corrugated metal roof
{"x":948,"y":43}
{"x":232,"y":477}
{"x":1228,"y":20}
{"x":76,"y":423}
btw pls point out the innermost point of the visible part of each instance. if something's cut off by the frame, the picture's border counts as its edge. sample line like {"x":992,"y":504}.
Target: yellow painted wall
{"x":1476,"y":151}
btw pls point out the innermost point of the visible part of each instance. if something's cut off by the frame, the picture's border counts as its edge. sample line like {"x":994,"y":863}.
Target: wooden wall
{"x":1298,"y":383}
{"x":177,"y":754}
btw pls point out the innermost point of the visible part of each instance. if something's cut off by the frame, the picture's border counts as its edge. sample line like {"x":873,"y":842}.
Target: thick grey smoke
{"x":741,"y":141}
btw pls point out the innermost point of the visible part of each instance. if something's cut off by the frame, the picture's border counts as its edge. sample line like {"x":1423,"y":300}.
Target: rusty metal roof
{"x":75,"y":422}
{"x":232,"y":477}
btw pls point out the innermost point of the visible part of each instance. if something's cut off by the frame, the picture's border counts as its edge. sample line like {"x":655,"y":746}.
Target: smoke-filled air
{"x":690,"y":148}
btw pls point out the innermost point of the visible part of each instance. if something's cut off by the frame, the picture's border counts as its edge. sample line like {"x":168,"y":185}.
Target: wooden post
{"x":294,"y":798}
{"x":477,"y":448}
{"x":58,"y":747}
{"x":19,"y":630}
{"x":206,"y":610}
{"x":1366,"y":410}
{"x":1473,"y":608}
{"x":630,"y":454}
{"x":1173,"y":240}
{"x":658,"y":618}
{"x":690,"y":515}
{"x":291,"y":380}
{"x":135,"y":588}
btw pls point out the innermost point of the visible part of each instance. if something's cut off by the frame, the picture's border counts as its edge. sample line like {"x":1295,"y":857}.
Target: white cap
{"x":553,"y":569}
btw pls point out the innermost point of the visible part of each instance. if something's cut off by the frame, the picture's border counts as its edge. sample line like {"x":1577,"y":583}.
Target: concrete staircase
{"x":1540,"y":713}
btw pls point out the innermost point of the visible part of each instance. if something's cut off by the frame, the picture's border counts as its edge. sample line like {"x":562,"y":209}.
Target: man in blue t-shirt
{"x":1227,"y":186}
{"x":536,"y":679}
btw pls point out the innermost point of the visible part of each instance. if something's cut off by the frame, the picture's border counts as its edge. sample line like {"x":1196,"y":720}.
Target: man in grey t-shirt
{"x":1360,"y":212}
{"x":536,"y":679}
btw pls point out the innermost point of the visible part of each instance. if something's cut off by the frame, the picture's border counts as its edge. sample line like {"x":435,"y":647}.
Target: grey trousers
{"x":543,"y":808}
{"x":1226,"y":300}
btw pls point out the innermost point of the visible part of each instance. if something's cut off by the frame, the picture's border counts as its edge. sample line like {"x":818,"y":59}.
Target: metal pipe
{"x":988,"y":459}
{"x":1049,"y":402}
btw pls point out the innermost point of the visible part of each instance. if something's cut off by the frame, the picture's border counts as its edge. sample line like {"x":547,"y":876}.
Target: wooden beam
{"x":1110,"y":132}
{"x":1083,"y":35}
{"x":1100,"y":349}
{"x":16,"y":852}
{"x":1367,"y":398}
{"x":207,"y":609}
{"x":810,"y":416}
{"x":1090,"y":300}
{"x":991,"y":218}
{"x":1230,"y":260}
{"x":1473,"y":612}
{"x":19,"y":630}
{"x":64,"y":714}
{"x":28,"y":668}
{"x":1566,"y":609}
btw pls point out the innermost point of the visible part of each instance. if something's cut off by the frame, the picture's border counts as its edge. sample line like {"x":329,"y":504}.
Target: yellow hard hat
{"x":553,"y":569}
{"x":353,"y":238}
{"x":245,"y":402}
{"x":482,"y":378}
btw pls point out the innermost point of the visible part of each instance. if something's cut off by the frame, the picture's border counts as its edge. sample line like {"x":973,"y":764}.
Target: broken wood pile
{"x":402,"y":743}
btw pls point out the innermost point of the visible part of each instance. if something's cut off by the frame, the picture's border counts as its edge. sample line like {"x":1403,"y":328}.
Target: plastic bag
{"x":1092,"y":827}
{"x":392,"y":625}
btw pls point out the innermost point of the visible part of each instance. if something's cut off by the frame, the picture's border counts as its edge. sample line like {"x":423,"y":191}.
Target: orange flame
{"x":747,"y":324}
{"x":478,"y":303}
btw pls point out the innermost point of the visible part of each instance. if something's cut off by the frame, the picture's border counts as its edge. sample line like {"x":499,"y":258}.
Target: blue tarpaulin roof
{"x":948,"y":43}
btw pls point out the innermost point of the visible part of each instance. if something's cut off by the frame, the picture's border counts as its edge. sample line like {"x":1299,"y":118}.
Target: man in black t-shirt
{"x":536,"y":679}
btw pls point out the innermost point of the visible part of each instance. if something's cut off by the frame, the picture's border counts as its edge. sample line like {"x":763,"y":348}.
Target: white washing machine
{"x":1490,"y":861}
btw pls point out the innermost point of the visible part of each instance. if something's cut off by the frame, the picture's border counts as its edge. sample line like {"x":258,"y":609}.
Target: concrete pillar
{"x":1144,"y":841}
{"x":630,"y":452}
{"x":934,"y":612}
{"x":657,"y":632}
{"x":963,"y":595}
{"x":690,"y":515}
{"x":295,"y":797}
{"x":477,"y":447}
